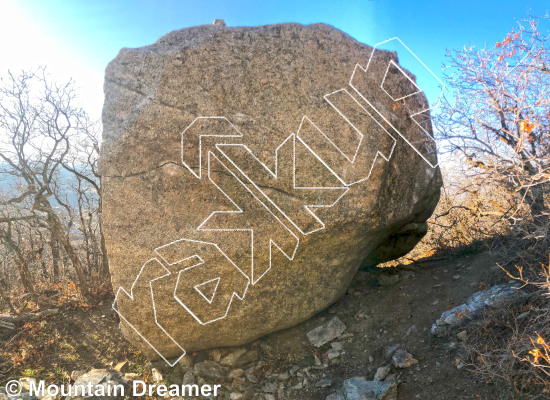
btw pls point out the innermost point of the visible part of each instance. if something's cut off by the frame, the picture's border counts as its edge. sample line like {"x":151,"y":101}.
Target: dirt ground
{"x":377,"y":318}
{"x":402,"y":315}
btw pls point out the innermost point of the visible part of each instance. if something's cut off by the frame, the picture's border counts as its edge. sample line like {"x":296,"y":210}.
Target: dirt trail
{"x":377,"y":318}
{"x":383,"y":316}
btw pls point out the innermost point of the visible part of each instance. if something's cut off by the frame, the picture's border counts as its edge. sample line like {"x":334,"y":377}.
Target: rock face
{"x":248,"y":172}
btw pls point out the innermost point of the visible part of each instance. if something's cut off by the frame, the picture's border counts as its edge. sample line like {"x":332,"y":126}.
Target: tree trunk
{"x":57,"y":231}
{"x":25,"y":275}
{"x":71,"y":253}
{"x":104,"y":259}
{"x":56,"y":257}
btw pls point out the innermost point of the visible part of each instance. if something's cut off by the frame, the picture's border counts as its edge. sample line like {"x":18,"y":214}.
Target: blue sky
{"x":78,"y":38}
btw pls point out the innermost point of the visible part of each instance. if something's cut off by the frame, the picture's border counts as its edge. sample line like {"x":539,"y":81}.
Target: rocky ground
{"x":376,"y":339}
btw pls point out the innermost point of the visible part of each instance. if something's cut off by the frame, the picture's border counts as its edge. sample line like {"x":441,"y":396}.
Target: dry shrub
{"x":472,"y":215}
{"x":495,"y":124}
{"x":508,"y":346}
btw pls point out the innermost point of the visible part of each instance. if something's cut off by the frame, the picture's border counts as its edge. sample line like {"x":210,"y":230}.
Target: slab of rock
{"x":382,"y":373}
{"x":218,"y":141}
{"x":403,"y":359}
{"x":361,"y":389}
{"x":323,"y":383}
{"x":210,"y":370}
{"x":239,"y":358}
{"x":474,"y":306}
{"x":326,"y":332}
{"x":100,"y":377}
{"x":21,"y":396}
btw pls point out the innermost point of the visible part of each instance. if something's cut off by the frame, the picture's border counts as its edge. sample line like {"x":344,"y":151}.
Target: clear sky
{"x":78,"y":38}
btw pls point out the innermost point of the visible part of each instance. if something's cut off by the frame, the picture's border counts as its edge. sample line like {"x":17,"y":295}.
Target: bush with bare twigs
{"x":495,"y":122}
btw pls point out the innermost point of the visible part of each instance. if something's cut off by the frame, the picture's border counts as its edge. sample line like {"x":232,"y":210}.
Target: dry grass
{"x":509,"y":346}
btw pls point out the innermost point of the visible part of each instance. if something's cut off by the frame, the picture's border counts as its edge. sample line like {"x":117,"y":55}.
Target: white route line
{"x":209,"y":300}
{"x":239,"y":210}
{"x":364,"y":70}
{"x":252,"y":279}
{"x":131,"y":296}
{"x":218,"y":278}
{"x":326,"y":97}
{"x":405,"y":75}
{"x":199,"y":174}
{"x":275,"y":175}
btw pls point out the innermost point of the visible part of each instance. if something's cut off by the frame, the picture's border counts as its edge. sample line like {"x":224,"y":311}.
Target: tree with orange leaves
{"x":496,"y":115}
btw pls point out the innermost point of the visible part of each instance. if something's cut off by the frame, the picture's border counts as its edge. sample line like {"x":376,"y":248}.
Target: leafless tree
{"x":41,"y":132}
{"x":496,"y":114}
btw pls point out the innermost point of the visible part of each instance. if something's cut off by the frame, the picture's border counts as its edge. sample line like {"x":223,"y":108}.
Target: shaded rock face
{"x":247,"y":173}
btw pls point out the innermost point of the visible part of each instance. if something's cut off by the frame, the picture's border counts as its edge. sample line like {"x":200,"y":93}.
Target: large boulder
{"x":248,"y":172}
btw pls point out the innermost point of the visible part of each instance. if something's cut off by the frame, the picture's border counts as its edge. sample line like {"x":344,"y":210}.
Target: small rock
{"x":381,"y":373}
{"x":236,"y":373}
{"x":327,"y":332}
{"x":285,"y":376}
{"x":361,"y":389}
{"x":156,"y":375}
{"x":26,"y":383}
{"x":269,"y":397}
{"x":403,"y":359}
{"x":360,"y":315}
{"x":231,"y":359}
{"x":248,"y":393}
{"x":371,"y":359}
{"x":186,"y":361}
{"x":266,"y":348}
{"x":235,"y":396}
{"x":332,"y":354}
{"x":269,"y":387}
{"x":523,"y":315}
{"x":189,"y":378}
{"x":335,"y":396}
{"x":216,"y":355}
{"x":338,"y":346}
{"x":346,"y":336}
{"x":249,"y":374}
{"x":210,"y":370}
{"x":122,"y":366}
{"x":247,"y":358}
{"x":462,"y":336}
{"x":238,"y":384}
{"x":324,"y":383}
{"x":410,"y":330}
{"x":239,"y":358}
{"x":388,"y":279}
{"x":100,"y":377}
{"x":391,"y":349}
{"x":77,"y":374}
{"x":131,"y":376}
